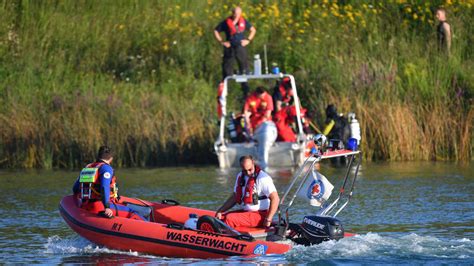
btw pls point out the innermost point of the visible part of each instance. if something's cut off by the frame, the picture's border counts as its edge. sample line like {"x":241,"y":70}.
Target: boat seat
{"x":256,"y":232}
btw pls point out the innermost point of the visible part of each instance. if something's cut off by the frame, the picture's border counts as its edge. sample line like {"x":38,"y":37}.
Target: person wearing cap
{"x":97,"y":188}
{"x":256,"y":195}
{"x":235,"y":44}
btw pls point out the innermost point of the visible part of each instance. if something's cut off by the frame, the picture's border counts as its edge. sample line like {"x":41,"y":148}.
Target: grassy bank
{"x":141,"y":76}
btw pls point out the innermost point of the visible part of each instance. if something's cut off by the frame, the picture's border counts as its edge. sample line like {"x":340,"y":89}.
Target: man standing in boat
{"x":258,"y":119}
{"x":235,"y":44}
{"x":255,"y":192}
{"x":97,"y":188}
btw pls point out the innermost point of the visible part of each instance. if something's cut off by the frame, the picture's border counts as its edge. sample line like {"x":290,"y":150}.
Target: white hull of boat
{"x":281,"y":154}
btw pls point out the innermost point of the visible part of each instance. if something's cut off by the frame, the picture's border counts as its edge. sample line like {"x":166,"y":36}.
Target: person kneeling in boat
{"x":258,"y":119}
{"x":96,"y":187}
{"x":255,"y":192}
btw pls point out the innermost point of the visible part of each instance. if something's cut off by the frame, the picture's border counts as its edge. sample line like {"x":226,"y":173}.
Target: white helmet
{"x":320,"y":140}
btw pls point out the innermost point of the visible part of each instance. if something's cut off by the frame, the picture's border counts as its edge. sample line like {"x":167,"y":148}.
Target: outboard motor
{"x":316,"y":229}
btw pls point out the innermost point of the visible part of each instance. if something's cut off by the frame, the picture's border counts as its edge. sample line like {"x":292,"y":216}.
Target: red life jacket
{"x":240,"y":25}
{"x":247,"y":198}
{"x":283,"y":123}
{"x":220,"y":100}
{"x":94,"y":186}
{"x":258,"y":107}
{"x":285,"y":94}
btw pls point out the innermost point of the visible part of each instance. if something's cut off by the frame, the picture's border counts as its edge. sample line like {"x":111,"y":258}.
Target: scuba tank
{"x":355,"y":127}
{"x":231,"y":128}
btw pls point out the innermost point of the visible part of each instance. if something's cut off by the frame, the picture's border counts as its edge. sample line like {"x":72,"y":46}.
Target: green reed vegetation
{"x":141,"y":76}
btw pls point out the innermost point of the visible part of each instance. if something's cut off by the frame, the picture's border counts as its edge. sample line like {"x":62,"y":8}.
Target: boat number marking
{"x":116,"y":226}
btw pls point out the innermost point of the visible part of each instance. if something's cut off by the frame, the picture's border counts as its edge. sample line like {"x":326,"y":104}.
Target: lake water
{"x":402,"y":213}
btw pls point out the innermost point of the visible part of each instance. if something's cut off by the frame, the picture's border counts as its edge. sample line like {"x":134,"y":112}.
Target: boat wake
{"x":375,"y":248}
{"x":78,"y":245}
{"x":367,"y":248}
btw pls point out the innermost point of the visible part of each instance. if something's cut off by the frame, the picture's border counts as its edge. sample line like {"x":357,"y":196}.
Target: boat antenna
{"x":266,"y":62}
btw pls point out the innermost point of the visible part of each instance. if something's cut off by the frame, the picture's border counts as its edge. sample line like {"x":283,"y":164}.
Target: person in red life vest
{"x":97,"y":188}
{"x":282,"y":98}
{"x":235,"y":44}
{"x":283,"y":121}
{"x":282,"y":94}
{"x":255,"y":193}
{"x":258,"y":119}
{"x":257,"y":109}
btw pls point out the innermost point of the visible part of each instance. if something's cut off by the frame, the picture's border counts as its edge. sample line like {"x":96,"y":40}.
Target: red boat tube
{"x":159,"y":236}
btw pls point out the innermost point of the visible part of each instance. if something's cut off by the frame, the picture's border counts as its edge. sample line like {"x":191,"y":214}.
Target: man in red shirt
{"x":258,"y":118}
{"x":258,"y":109}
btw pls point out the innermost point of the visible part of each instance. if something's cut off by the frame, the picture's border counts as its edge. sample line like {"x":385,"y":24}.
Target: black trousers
{"x":230,"y":54}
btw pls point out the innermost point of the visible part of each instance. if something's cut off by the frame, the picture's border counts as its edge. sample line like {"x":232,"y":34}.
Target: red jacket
{"x":258,"y":106}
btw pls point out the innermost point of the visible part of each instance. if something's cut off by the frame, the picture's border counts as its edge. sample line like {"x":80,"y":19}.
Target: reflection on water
{"x":403,"y":212}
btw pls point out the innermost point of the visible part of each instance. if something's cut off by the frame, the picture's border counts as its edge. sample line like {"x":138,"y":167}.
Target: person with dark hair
{"x":282,"y":94}
{"x":235,"y":44}
{"x":337,"y":126}
{"x":256,"y":194}
{"x":443,"y":31}
{"x":97,"y":188}
{"x":285,"y":112}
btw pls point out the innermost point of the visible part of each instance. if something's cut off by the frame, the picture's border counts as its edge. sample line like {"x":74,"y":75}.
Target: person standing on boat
{"x":443,"y":31}
{"x":258,"y":119}
{"x":255,"y":192}
{"x":97,"y":188}
{"x":235,"y":44}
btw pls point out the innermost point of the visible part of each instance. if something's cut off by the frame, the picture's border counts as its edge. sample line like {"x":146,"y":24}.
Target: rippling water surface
{"x":402,"y":213}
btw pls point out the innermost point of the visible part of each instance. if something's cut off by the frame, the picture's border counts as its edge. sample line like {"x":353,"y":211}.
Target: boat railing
{"x":244,"y":78}
{"x":304,"y":172}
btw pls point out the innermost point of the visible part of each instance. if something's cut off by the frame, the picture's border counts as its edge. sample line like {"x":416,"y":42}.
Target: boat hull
{"x":280,"y":154}
{"x":156,"y":237}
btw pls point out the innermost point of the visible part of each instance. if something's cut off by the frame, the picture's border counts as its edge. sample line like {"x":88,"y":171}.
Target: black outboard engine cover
{"x":317,"y":229}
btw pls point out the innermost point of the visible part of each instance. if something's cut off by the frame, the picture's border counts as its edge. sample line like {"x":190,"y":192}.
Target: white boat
{"x":280,"y":154}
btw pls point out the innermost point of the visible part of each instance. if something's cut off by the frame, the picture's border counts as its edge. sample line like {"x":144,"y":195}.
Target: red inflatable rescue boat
{"x":162,"y":237}
{"x":163,"y":233}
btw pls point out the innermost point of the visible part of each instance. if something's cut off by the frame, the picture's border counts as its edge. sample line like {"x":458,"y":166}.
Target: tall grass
{"x":141,"y":76}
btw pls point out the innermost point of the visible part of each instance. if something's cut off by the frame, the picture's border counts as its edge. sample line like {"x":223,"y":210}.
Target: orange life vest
{"x":240,"y":25}
{"x":90,"y":182}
